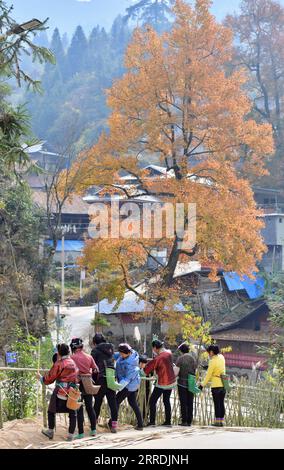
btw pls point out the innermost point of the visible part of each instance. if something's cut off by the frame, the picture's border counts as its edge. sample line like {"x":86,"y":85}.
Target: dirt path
{"x":26,"y":434}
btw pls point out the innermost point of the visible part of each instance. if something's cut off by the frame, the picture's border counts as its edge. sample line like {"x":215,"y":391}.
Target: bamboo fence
{"x":261,"y":405}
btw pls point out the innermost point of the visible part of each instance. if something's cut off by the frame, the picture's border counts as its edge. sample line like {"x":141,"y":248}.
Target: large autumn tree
{"x":178,"y":102}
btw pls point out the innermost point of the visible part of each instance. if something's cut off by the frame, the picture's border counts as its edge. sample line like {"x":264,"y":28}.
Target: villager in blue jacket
{"x":128,"y":376}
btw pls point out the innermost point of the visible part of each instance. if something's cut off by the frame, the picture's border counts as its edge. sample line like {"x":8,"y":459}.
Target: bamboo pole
{"x":37,"y":388}
{"x":44,"y":407}
{"x":1,"y":409}
{"x":22,"y":369}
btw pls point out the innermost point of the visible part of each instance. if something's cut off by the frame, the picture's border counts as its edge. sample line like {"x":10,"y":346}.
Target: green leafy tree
{"x":13,"y":47}
{"x":21,"y":271}
{"x":21,"y":390}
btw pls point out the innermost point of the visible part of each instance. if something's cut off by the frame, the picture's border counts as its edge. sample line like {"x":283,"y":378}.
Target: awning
{"x":69,"y":245}
{"x":253,"y":287}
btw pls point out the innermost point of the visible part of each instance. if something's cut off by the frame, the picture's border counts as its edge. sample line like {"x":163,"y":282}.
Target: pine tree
{"x":77,"y":53}
{"x":99,"y":54}
{"x":153,"y":12}
{"x":42,"y":39}
{"x":54,"y":73}
{"x":65,"y":41}
{"x":119,"y":34}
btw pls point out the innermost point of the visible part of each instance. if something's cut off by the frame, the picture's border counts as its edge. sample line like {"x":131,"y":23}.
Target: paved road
{"x":176,"y":438}
{"x":252,"y":439}
{"x":78,"y":321}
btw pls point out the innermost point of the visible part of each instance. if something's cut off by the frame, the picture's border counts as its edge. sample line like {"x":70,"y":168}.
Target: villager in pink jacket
{"x":86,"y":366}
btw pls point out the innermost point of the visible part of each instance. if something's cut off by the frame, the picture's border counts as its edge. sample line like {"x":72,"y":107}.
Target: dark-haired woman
{"x":87,"y":367}
{"x":102,"y":353}
{"x":64,"y":372}
{"x":216,"y":369}
{"x":186,"y":365}
{"x":128,"y":376}
{"x":162,"y":364}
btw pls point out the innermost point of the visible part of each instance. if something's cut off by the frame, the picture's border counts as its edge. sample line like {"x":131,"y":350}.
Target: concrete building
{"x":272,"y":204}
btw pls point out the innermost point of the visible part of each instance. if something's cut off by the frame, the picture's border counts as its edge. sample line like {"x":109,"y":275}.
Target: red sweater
{"x":84,"y":362}
{"x":65,"y":371}
{"x":163,"y":366}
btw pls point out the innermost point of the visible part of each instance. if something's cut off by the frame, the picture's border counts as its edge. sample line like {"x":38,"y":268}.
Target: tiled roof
{"x":240,"y":334}
{"x":74,"y":205}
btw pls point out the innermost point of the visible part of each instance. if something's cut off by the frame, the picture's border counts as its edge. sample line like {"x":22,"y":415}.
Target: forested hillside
{"x":72,"y":107}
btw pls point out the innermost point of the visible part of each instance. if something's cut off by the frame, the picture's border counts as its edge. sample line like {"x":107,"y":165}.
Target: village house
{"x":235,"y":308}
{"x":272,"y":204}
{"x":74,"y":225}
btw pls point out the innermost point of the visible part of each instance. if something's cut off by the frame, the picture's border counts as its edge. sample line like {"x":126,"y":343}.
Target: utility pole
{"x":62,"y":271}
{"x":98,"y":300}
{"x":57,"y":321}
{"x":82,"y":278}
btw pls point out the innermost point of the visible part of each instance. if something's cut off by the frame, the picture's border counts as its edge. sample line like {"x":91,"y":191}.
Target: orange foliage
{"x":178,"y":101}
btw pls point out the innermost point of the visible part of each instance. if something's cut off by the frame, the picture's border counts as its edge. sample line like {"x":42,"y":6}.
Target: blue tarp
{"x":69,"y":245}
{"x":253,"y":287}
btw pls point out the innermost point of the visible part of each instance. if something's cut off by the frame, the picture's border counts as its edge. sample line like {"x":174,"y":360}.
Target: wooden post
{"x":62,"y":271}
{"x":37,"y":388}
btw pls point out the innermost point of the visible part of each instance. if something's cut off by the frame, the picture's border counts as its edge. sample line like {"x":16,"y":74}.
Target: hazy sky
{"x":67,"y":14}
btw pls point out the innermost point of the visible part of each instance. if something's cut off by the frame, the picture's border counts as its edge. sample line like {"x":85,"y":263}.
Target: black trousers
{"x":110,"y":396}
{"x":156,"y":394}
{"x":218,"y":394}
{"x":88,"y":399}
{"x":186,"y":404}
{"x":131,"y":397}
{"x":62,"y":408}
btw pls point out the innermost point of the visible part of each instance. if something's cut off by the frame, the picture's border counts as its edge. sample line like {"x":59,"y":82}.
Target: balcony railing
{"x":277,"y":208}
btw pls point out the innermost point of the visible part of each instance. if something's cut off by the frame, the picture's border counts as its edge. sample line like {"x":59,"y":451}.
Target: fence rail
{"x":246,"y":406}
{"x":261,"y":405}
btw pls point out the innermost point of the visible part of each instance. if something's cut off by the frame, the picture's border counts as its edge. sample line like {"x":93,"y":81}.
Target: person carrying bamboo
{"x":103,"y":353}
{"x":87,"y":367}
{"x":162,"y":364}
{"x":128,"y":375}
{"x":186,"y":365}
{"x":216,"y":369}
{"x":64,"y":373}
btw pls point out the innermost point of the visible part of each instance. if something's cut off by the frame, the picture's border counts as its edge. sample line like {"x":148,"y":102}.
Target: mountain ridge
{"x":67,"y":14}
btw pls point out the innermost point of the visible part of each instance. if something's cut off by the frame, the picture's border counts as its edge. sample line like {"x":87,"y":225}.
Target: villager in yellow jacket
{"x":216,"y":369}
